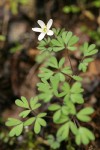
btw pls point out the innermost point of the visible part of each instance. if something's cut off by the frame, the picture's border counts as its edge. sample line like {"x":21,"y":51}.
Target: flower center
{"x":45,"y":29}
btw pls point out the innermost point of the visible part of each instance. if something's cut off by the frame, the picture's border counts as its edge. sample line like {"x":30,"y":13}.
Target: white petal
{"x":49,"y":24}
{"x":41,"y":36}
{"x":50,"y":32}
{"x":37,"y":29}
{"x":41,"y":23}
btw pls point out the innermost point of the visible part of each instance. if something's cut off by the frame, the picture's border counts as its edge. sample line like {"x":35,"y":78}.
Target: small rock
{"x":17,"y":30}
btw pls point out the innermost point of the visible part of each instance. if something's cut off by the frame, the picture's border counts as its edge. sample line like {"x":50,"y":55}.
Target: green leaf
{"x":54,"y":107}
{"x":77,"y":98}
{"x":63,"y":131}
{"x":72,"y":48}
{"x":34,"y":103}
{"x":50,"y":139}
{"x":96,"y":3}
{"x":73,"y":41}
{"x":42,"y":57}
{"x":37,"y":127}
{"x":23,"y":1}
{"x":86,"y":111}
{"x":84,"y":136}
{"x":41,"y":115}
{"x":65,"y":110}
{"x":67,"y":9}
{"x":54,"y":143}
{"x":2,"y":38}
{"x":61,"y":76}
{"x":57,"y":115}
{"x":89,"y":134}
{"x":46,"y":73}
{"x":55,"y":83}
{"x":53,"y":62}
{"x":69,"y":35}
{"x":77,"y":78}
{"x":42,"y":122}
{"x":76,"y":88}
{"x":62,"y":119}
{"x":60,"y":40}
{"x":66,"y":88}
{"x":46,"y":91}
{"x":84,"y":139}
{"x":92,"y":52}
{"x":66,"y":70}
{"x":83,"y":66}
{"x":29,"y":121}
{"x":22,"y":103}
{"x":16,"y":131}
{"x":46,"y":97}
{"x":69,"y":147}
{"x":71,"y":9}
{"x":87,"y":60}
{"x":13,"y":122}
{"x":64,"y":34}
{"x":89,"y":50}
{"x":56,"y":42}
{"x":57,"y":49}
{"x":24,"y":113}
{"x":83,"y":118}
{"x":73,"y":128}
{"x":61,"y":62}
{"x":71,"y":106}
{"x":78,"y":139}
{"x":82,"y":115}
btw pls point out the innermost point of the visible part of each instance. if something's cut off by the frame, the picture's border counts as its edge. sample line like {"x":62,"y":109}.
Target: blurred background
{"x":20,"y":61}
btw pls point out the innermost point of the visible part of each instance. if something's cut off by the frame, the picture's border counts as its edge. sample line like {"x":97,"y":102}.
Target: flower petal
{"x":37,"y":29}
{"x":41,"y":23}
{"x":50,"y":33}
{"x":49,"y":24}
{"x":41,"y":36}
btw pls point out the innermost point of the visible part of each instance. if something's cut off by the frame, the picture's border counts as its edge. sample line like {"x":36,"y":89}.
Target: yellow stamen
{"x":45,"y":29}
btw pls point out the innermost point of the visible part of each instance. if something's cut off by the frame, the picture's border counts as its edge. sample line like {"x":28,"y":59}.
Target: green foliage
{"x":46,"y":91}
{"x":55,"y":143}
{"x":38,"y":123}
{"x":88,"y":51}
{"x":42,"y":57}
{"x":2,"y":38}
{"x":84,"y":64}
{"x":30,"y":108}
{"x":63,"y":40}
{"x":22,"y":103}
{"x":16,"y":48}
{"x":69,"y":147}
{"x":84,"y":136}
{"x":57,"y":68}
{"x":83,"y":114}
{"x":71,"y":9}
{"x":96,"y":3}
{"x":17,"y":130}
{"x":63,"y":131}
{"x":94,"y":34}
{"x":60,"y":95}
{"x":72,"y":93}
{"x":14,"y":5}
{"x":87,"y":5}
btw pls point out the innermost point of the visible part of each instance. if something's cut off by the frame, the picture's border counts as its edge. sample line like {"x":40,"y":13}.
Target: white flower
{"x":45,"y":29}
